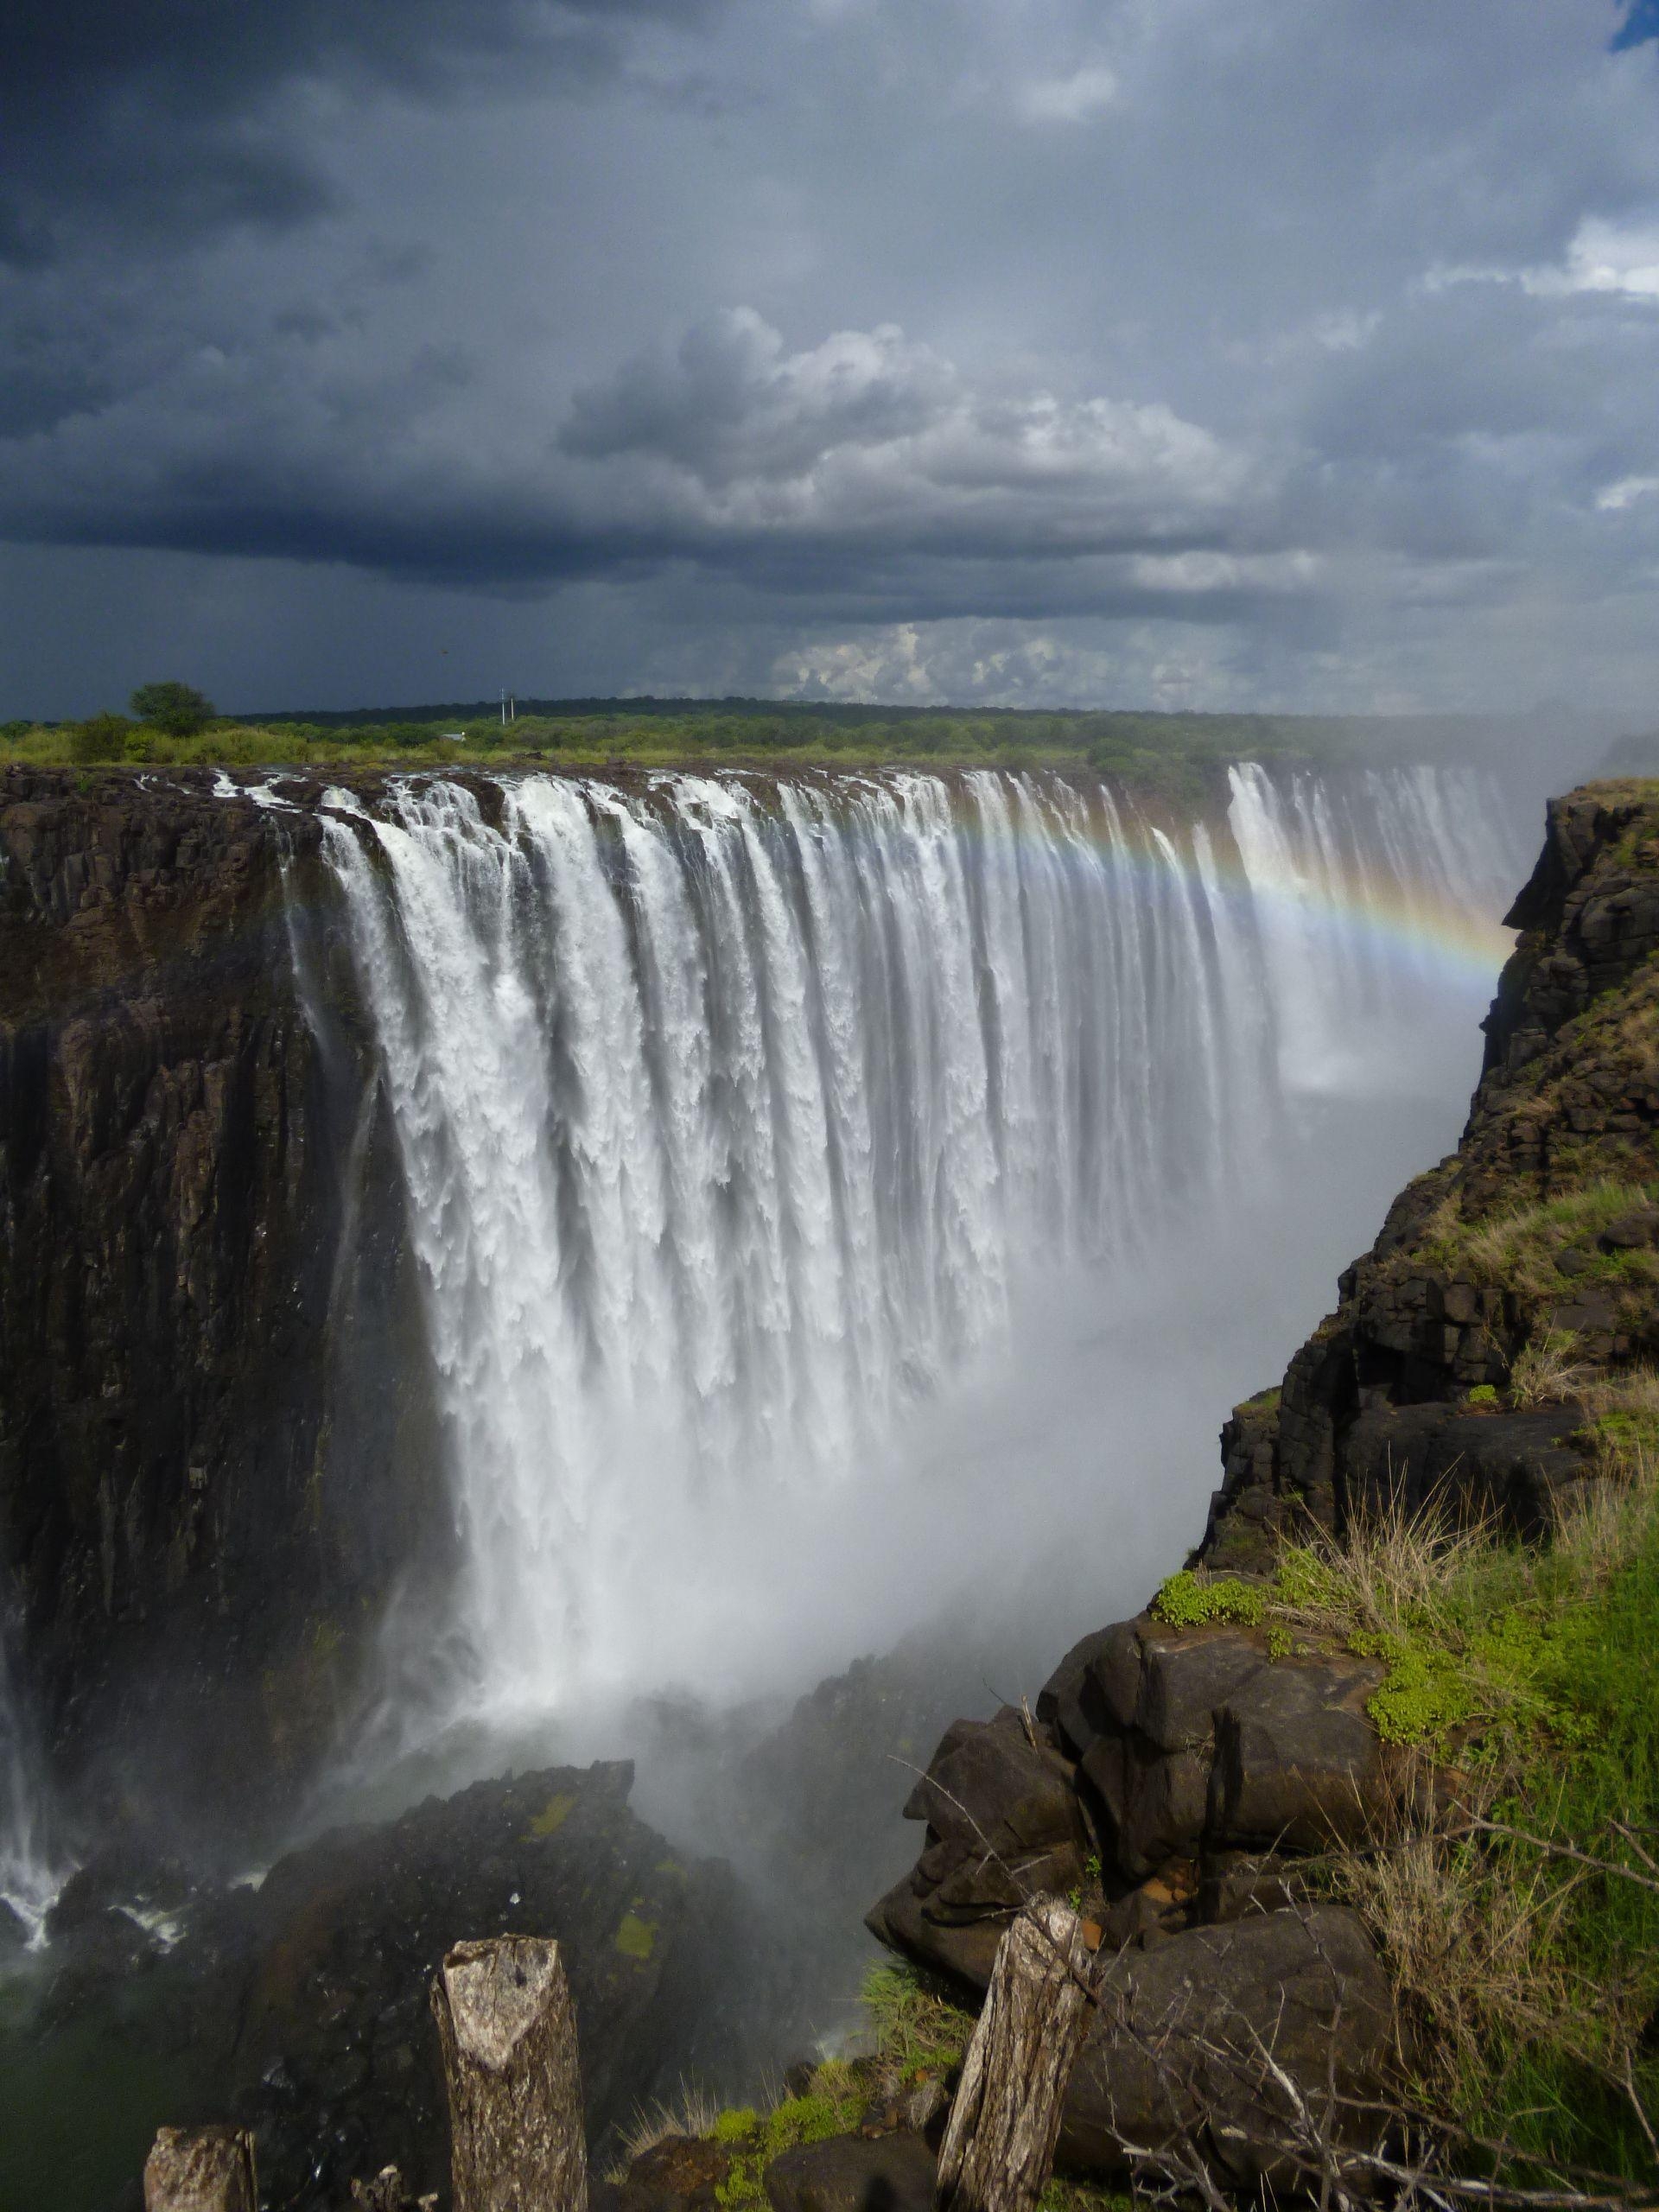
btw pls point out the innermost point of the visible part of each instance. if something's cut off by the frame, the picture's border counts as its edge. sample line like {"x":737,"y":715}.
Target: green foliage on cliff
{"x":1192,"y":1598}
{"x":917,"y":2024}
{"x":831,"y":2105}
{"x":1522,"y":1249}
{"x":1517,"y":1903}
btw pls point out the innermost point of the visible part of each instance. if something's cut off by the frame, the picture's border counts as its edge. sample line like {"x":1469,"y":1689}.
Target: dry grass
{"x":1473,"y":1944}
{"x":1516,"y":1251}
{"x":1548,"y":1370}
{"x":692,"y":2112}
{"x":1382,"y":1578}
{"x":1525,"y":1977}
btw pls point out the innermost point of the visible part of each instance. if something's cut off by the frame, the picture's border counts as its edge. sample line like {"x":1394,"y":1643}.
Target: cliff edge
{"x":1426,"y":1596}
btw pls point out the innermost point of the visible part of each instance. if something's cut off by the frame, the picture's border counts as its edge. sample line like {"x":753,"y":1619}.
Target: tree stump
{"x":998,"y":2146}
{"x":508,"y":2034}
{"x":200,"y":2170}
{"x":386,"y":2193}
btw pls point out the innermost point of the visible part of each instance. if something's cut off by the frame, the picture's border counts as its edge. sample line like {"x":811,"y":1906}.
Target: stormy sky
{"x":1279,"y":353}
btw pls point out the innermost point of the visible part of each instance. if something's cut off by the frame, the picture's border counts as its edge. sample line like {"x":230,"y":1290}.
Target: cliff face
{"x":1181,"y":1768}
{"x":193,"y":1492}
{"x":1535,"y":1234}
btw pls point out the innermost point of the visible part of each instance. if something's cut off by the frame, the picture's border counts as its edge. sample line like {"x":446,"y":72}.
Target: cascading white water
{"x":31,"y":1870}
{"x":737,"y":1119}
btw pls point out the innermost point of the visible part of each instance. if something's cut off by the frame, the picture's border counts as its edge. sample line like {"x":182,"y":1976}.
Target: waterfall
{"x":31,"y":1870}
{"x":737,"y":1118}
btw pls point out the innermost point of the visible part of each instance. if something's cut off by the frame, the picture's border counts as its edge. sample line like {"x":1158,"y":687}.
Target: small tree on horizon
{"x":178,"y":709}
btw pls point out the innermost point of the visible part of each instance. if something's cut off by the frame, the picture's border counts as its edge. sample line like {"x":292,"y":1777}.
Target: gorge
{"x":482,"y":1252}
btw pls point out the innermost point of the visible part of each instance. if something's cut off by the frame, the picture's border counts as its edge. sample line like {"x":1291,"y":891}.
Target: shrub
{"x":916,"y":2021}
{"x":1548,"y":1369}
{"x":101,"y":738}
{"x":1188,"y":1600}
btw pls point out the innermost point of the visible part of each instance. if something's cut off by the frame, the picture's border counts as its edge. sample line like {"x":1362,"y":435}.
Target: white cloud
{"x":1602,"y":256}
{"x":870,"y":429}
{"x":1613,"y":498}
{"x":1071,"y":99}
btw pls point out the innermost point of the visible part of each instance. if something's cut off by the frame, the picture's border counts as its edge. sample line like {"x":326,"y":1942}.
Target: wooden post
{"x":200,"y":2170}
{"x":998,"y":2146}
{"x":509,"y":2039}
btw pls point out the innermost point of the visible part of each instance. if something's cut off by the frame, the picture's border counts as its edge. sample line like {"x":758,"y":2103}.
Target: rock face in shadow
{"x":204,"y":1273}
{"x":300,"y":2010}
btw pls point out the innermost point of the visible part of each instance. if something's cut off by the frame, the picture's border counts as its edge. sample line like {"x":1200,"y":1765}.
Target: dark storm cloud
{"x":1026,"y":351}
{"x":165,"y":119}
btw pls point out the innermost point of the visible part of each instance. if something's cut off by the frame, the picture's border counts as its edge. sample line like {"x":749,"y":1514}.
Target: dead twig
{"x":1555,"y":1850}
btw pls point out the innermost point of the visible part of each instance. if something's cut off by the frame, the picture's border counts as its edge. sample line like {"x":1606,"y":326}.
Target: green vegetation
{"x":1175,"y":757}
{"x":830,"y":2106}
{"x":1521,"y":1915}
{"x":1521,"y":1250}
{"x":636,"y":1938}
{"x":1192,"y":1598}
{"x":177,"y":710}
{"x":919,"y":2027}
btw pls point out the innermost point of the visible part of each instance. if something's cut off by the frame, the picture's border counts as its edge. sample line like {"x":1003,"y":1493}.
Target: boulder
{"x":1298,"y":1766}
{"x":1515,"y":1468}
{"x":1171,"y":2050}
{"x":683,"y":2173}
{"x":855,"y":2173}
{"x":1003,"y":1824}
{"x":337,"y":2049}
{"x":1188,"y":1741}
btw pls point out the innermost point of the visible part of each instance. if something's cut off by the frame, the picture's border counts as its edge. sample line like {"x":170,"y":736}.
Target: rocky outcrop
{"x":207,"y":1480}
{"x":300,"y":2009}
{"x":1385,"y":1398}
{"x":852,"y":2173}
{"x":1179,"y":1772}
{"x":1160,"y":1758}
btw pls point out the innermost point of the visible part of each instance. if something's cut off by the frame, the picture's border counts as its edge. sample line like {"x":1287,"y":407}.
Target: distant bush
{"x":178,"y":709}
{"x":103,"y":738}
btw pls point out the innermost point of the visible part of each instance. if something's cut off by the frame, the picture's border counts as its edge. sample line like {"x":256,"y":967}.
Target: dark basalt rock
{"x":208,"y":1481}
{"x":1169,"y":1745}
{"x":300,"y":2010}
{"x":337,"y":2061}
{"x":683,"y":2173}
{"x":1172,"y":2045}
{"x":1003,"y":1821}
{"x":855,"y":2173}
